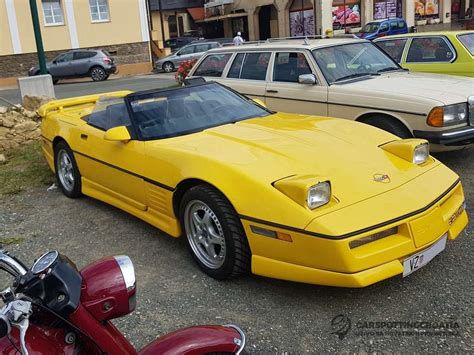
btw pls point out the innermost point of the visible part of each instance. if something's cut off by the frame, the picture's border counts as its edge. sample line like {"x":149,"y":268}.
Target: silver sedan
{"x":191,"y":51}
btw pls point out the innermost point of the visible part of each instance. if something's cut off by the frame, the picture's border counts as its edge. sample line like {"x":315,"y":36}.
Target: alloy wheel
{"x":98,"y":74}
{"x":205,"y":234}
{"x":65,"y":170}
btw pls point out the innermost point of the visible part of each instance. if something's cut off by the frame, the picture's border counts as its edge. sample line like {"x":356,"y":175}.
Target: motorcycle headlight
{"x":421,"y":153}
{"x":318,"y":195}
{"x":448,"y":115}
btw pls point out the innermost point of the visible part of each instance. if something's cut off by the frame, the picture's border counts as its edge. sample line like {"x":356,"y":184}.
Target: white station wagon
{"x":347,"y":78}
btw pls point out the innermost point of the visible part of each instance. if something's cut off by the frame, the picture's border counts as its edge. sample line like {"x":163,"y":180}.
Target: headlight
{"x":319,"y":195}
{"x":421,"y":153}
{"x":448,"y":115}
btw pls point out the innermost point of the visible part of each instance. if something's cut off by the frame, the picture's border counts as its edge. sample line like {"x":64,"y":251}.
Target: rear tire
{"x":214,"y":234}
{"x":390,"y":125}
{"x":66,"y":171}
{"x":98,"y":74}
{"x":168,"y":67}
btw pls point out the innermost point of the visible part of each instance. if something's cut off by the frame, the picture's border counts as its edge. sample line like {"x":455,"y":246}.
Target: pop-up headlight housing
{"x":309,"y":190}
{"x":416,"y":151}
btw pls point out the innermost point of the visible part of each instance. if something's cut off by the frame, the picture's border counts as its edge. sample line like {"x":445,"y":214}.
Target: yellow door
{"x":112,"y":169}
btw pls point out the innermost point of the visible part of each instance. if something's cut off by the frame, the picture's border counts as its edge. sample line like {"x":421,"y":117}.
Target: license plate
{"x":422,"y":258}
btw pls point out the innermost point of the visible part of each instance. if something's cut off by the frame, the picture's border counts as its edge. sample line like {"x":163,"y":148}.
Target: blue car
{"x":381,"y":28}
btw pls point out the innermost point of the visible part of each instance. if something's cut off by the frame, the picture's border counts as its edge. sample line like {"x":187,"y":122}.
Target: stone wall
{"x":17,"y":126}
{"x":19,"y":64}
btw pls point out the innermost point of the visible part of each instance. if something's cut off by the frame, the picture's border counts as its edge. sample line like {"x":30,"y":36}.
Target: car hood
{"x":410,"y":86}
{"x":284,"y":145}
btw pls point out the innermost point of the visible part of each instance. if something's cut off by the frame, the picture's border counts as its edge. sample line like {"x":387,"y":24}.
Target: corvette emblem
{"x":383,"y":178}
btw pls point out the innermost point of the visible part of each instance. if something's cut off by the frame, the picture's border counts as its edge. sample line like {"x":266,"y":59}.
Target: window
{"x":213,"y":65}
{"x":83,"y":55}
{"x":394,"y":48}
{"x":289,"y":66}
{"x":401,"y":25}
{"x":109,"y":113}
{"x":426,"y":8}
{"x":468,"y":41}
{"x":387,"y":9}
{"x":65,"y":57}
{"x":53,"y":14}
{"x":429,"y":49}
{"x":393,"y":26}
{"x":186,"y":50}
{"x":345,"y":13}
{"x":201,"y":48}
{"x":236,"y":67}
{"x":301,"y":18}
{"x":351,"y":61}
{"x":99,"y":10}
{"x":177,"y":112}
{"x":250,"y":66}
{"x":384,"y":27}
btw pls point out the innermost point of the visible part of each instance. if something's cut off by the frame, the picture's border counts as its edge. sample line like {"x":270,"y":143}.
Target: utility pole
{"x":38,"y":39}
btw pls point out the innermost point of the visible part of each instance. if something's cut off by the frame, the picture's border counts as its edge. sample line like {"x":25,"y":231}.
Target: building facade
{"x":261,"y":19}
{"x":120,"y":27}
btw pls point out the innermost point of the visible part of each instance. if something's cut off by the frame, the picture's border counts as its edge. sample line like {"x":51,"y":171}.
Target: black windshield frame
{"x":156,"y":93}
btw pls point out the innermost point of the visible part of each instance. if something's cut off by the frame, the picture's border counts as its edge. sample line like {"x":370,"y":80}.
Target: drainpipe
{"x":161,"y":22}
{"x":38,"y":39}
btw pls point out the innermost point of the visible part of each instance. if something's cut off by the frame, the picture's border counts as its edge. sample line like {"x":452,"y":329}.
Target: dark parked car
{"x":98,"y":64}
{"x":381,"y":28}
{"x":179,"y":42}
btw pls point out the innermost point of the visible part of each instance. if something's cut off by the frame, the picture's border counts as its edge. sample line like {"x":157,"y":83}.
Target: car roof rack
{"x":304,"y":38}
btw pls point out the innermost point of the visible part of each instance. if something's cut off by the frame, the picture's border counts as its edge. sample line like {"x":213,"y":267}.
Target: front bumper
{"x":332,"y":262}
{"x":452,"y":137}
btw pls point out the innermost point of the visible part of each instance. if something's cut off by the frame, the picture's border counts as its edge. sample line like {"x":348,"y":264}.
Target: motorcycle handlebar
{"x":12,"y":265}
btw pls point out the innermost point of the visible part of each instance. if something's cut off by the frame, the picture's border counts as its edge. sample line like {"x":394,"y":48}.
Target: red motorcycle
{"x":53,"y":308}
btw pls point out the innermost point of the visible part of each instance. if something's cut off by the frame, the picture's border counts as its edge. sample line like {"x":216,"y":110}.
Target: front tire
{"x":390,"y":125}
{"x":98,"y":74}
{"x":215,"y":237}
{"x":168,"y":67}
{"x":66,"y":170}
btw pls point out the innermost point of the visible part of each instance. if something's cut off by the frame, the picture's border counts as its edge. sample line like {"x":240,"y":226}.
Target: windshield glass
{"x":188,"y":110}
{"x":468,"y":41}
{"x":352,"y":60}
{"x":370,"y":27}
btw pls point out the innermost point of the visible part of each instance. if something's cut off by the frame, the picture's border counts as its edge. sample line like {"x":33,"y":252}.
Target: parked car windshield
{"x":370,"y":27}
{"x":468,"y":41}
{"x":164,"y":114}
{"x":352,"y":60}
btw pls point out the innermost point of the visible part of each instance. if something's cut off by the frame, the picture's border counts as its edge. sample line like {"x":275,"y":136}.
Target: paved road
{"x":276,"y":315}
{"x":66,"y":88}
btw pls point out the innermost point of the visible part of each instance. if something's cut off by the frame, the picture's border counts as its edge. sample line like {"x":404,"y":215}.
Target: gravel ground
{"x":277,"y":316}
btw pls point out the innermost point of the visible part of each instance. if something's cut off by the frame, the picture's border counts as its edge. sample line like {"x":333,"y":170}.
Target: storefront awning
{"x":223,"y":17}
{"x":197,"y":13}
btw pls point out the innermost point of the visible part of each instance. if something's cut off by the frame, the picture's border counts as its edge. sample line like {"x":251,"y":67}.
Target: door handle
{"x":84,"y":136}
{"x":272,"y":91}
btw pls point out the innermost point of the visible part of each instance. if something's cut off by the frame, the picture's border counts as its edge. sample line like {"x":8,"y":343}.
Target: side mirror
{"x":308,"y":79}
{"x":178,"y":53}
{"x":118,"y":134}
{"x":259,"y":102}
{"x":55,"y":62}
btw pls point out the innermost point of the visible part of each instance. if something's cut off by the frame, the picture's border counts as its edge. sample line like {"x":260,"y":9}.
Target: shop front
{"x":346,"y":14}
{"x":427,"y":12}
{"x":301,"y":14}
{"x":387,"y":9}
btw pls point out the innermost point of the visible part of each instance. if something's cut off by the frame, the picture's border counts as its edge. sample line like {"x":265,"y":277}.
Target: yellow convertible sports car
{"x":293,"y":197}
